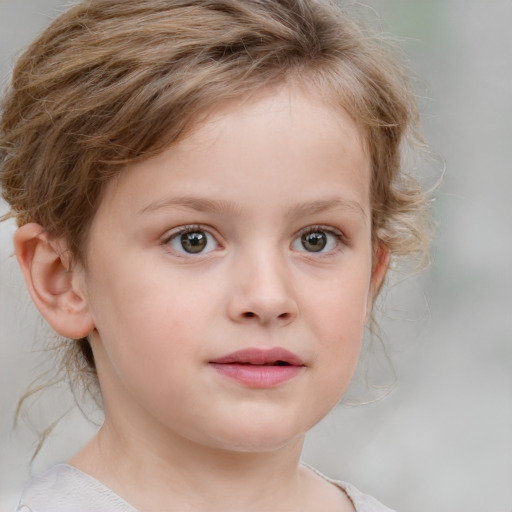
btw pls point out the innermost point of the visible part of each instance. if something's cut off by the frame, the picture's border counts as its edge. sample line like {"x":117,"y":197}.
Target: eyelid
{"x":321,"y":227}
{"x":183,"y":229}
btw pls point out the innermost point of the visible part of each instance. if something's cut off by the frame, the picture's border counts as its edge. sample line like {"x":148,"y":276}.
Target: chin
{"x":259,"y":444}
{"x":258,"y":437}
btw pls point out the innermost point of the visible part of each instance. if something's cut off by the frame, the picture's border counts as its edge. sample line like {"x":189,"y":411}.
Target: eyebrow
{"x":320,"y":206}
{"x":201,"y":204}
{"x":198,"y":204}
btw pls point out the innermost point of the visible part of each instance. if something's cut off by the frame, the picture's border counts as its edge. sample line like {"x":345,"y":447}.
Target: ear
{"x":380,"y":267}
{"x":55,"y":288}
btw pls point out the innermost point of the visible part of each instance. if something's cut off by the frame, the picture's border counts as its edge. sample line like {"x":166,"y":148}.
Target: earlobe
{"x":51,"y":282}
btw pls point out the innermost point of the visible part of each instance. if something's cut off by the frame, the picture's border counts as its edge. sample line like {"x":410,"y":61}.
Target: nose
{"x":263,"y":293}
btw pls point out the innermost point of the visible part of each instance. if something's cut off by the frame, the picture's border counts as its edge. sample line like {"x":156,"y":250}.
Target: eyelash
{"x":188,"y":228}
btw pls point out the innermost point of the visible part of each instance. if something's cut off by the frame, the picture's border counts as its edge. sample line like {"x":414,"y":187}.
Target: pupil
{"x":194,"y":241}
{"x":314,"y":242}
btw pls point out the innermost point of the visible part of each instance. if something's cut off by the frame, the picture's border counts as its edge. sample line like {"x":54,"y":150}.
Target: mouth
{"x":261,"y":357}
{"x":259,"y":368}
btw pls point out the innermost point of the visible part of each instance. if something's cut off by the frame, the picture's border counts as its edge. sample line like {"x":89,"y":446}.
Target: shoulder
{"x":361,"y":502}
{"x":66,"y":489}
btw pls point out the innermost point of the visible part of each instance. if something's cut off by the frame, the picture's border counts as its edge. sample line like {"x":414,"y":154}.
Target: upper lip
{"x":260,"y":356}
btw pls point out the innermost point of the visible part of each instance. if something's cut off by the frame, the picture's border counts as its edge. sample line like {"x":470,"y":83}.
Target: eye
{"x":192,"y":241}
{"x":317,"y":240}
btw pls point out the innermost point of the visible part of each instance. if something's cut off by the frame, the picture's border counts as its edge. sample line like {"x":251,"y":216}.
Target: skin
{"x":253,"y":179}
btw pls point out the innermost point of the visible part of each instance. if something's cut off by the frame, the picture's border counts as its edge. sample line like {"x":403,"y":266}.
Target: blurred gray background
{"x":442,"y":439}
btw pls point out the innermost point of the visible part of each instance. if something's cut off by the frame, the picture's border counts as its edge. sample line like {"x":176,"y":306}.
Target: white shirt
{"x":64,"y":488}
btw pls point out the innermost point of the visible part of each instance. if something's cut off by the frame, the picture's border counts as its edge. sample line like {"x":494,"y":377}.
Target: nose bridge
{"x":263,"y":289}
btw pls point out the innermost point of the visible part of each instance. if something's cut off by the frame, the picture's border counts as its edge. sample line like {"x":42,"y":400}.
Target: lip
{"x":259,"y":368}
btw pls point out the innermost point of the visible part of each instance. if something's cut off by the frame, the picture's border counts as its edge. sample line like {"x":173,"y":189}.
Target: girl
{"x":209,"y":194}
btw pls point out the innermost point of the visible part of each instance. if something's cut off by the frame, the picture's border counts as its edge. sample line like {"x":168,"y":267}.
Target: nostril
{"x":283,"y":316}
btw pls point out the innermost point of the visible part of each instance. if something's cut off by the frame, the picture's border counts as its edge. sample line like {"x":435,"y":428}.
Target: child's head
{"x":110,"y":84}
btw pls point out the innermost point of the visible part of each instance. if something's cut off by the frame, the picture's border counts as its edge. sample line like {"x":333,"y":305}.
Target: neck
{"x":193,"y":477}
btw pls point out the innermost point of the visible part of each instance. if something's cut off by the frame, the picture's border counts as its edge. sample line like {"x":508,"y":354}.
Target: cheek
{"x":147,"y":359}
{"x":338,"y":309}
{"x":343,"y":328}
{"x":337,"y":319}
{"x":143,"y":324}
{"x":151,"y":334}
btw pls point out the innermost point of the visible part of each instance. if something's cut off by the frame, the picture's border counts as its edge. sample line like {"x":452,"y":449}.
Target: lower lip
{"x":258,"y":376}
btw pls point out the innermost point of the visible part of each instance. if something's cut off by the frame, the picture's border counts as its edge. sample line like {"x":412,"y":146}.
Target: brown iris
{"x":193,"y":241}
{"x":314,"y":242}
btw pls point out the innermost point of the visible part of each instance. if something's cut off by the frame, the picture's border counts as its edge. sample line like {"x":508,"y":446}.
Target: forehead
{"x":274,"y":137}
{"x":312,"y":112}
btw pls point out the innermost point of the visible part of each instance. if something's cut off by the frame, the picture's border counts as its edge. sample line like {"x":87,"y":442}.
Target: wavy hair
{"x":111,"y":82}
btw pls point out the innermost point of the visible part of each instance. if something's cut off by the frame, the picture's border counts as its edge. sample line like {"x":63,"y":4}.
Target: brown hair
{"x":111,"y":82}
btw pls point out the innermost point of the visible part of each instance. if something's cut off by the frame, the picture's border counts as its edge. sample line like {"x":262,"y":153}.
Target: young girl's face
{"x":229,"y":279}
